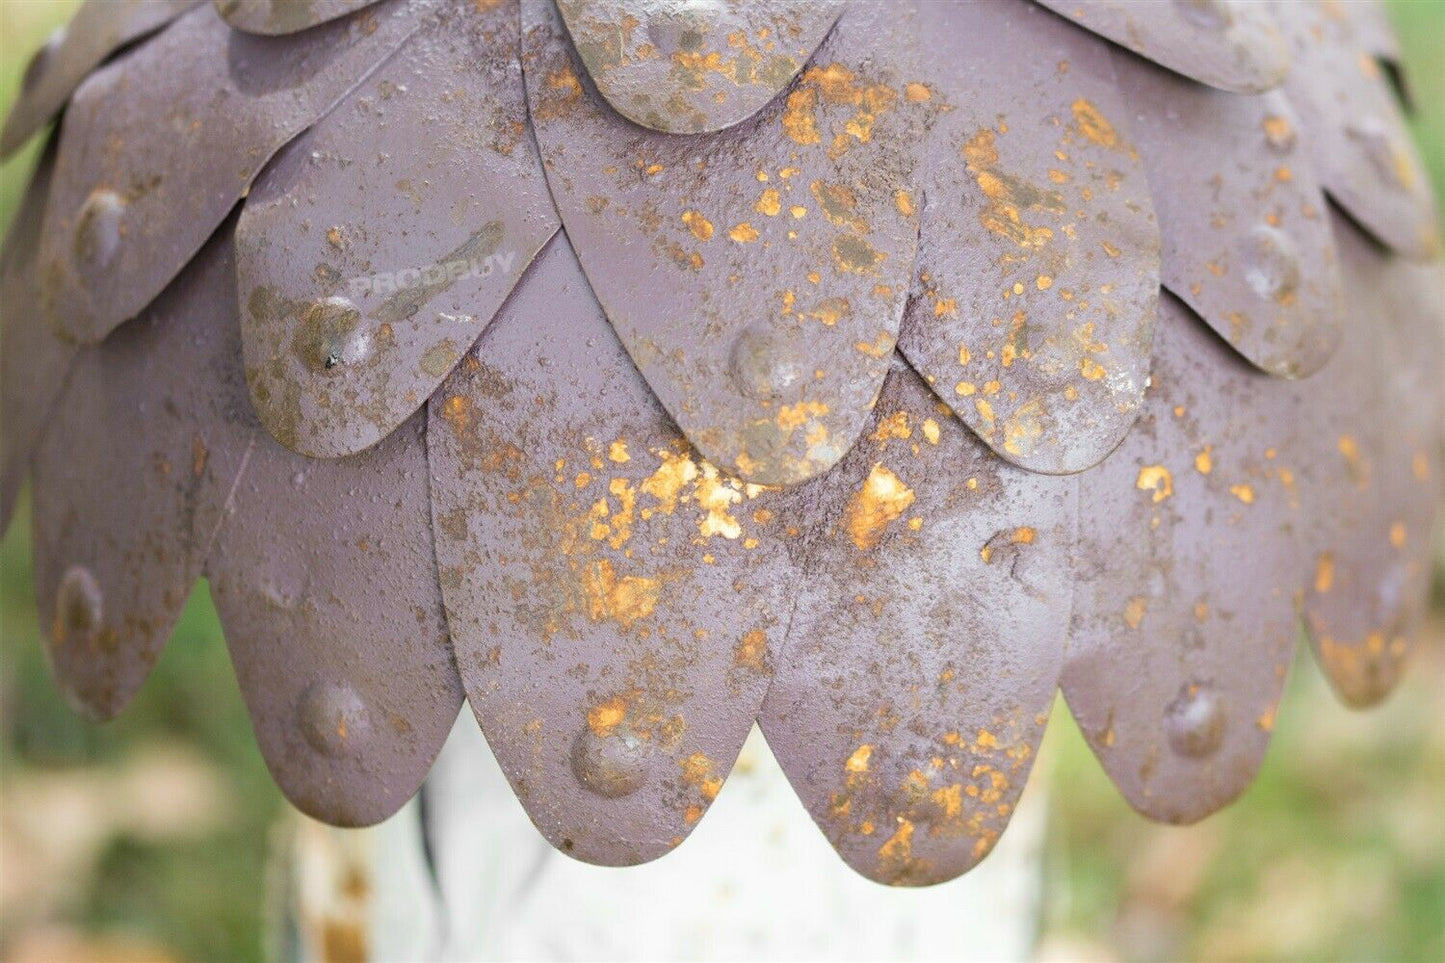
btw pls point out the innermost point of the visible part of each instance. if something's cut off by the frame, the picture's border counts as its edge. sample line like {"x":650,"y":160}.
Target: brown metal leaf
{"x":1189,"y":566}
{"x":756,"y":276}
{"x":926,"y":644}
{"x":377,"y":246}
{"x":34,"y":363}
{"x":1356,"y":132}
{"x":131,"y":204}
{"x":1231,"y":44}
{"x":131,"y":477}
{"x":693,"y":68}
{"x":1246,"y":241}
{"x":1038,"y":268}
{"x":98,"y":29}
{"x":274,"y":17}
{"x":617,"y":602}
{"x":325,"y":580}
{"x":1372,"y":488}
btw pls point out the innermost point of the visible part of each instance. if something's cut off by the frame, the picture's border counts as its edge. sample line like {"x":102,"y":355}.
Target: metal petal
{"x":273,"y":17}
{"x":157,"y":148}
{"x":325,"y":581}
{"x":756,"y":277}
{"x":1039,"y":260}
{"x":1188,"y":570}
{"x":925,"y":649}
{"x":1372,"y":491}
{"x":1356,"y":132}
{"x":131,"y":477}
{"x":1230,"y":44}
{"x":616,"y":601}
{"x":691,"y":68}
{"x":98,"y":29}
{"x":1246,"y":242}
{"x":377,"y":246}
{"x":34,"y":363}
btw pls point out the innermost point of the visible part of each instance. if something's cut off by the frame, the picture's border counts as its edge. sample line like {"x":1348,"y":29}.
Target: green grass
{"x":1336,"y":852}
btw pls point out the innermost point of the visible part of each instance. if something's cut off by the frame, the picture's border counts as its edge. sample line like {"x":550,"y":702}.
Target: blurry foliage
{"x":1337,"y":851}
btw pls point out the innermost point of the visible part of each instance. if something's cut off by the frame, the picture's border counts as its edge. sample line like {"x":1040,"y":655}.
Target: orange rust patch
{"x":604,"y":718}
{"x":751,"y":651}
{"x":698,"y":772}
{"x":882,"y":499}
{"x":799,"y":119}
{"x":1134,"y":611}
{"x":700,"y":226}
{"x":1093,"y":125}
{"x":623,"y":600}
{"x":858,"y":761}
{"x":1156,"y":479}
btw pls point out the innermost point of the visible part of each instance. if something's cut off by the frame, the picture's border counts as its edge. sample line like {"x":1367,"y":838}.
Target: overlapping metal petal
{"x":629,"y":487}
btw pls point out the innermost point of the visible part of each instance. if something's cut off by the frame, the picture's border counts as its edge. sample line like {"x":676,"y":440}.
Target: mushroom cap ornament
{"x":634,"y":371}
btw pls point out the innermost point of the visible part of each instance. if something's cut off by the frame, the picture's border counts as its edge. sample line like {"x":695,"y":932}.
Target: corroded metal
{"x":1038,"y":267}
{"x":34,"y":363}
{"x":618,"y":604}
{"x":926,"y":643}
{"x":378,"y":245}
{"x":129,"y":207}
{"x":758,"y":284}
{"x":1372,"y":484}
{"x":1355,"y":130}
{"x":690,"y":68}
{"x":1187,"y":571}
{"x":1230,"y":44}
{"x":131,"y":478}
{"x":1246,"y":239}
{"x":272,"y":17}
{"x":98,"y":29}
{"x":759,"y":200}
{"x":324,"y":579}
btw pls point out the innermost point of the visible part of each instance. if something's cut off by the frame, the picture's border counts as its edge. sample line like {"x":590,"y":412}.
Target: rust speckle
{"x":858,"y":761}
{"x":1093,"y":125}
{"x":604,"y":718}
{"x":882,"y":499}
{"x":1156,"y":479}
{"x":624,"y":600}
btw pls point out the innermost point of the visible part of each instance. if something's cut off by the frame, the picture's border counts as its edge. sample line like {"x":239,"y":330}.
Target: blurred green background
{"x":149,"y":837}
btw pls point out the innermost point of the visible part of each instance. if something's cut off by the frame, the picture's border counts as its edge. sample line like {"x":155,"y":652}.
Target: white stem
{"x":756,"y":880}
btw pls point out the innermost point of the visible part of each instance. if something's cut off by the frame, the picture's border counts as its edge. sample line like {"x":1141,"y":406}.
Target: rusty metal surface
{"x":924,"y":653}
{"x":756,"y":279}
{"x":1372,"y":486}
{"x":377,"y":246}
{"x":617,"y":604}
{"x":689,"y":68}
{"x":272,"y":17}
{"x":1234,"y":45}
{"x":131,"y":477}
{"x":1038,"y":267}
{"x":1245,"y":237}
{"x":1189,"y":567}
{"x":1355,"y":130}
{"x":580,"y":504}
{"x":34,"y":363}
{"x":324,"y":578}
{"x":131,"y":203}
{"x":98,"y":29}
